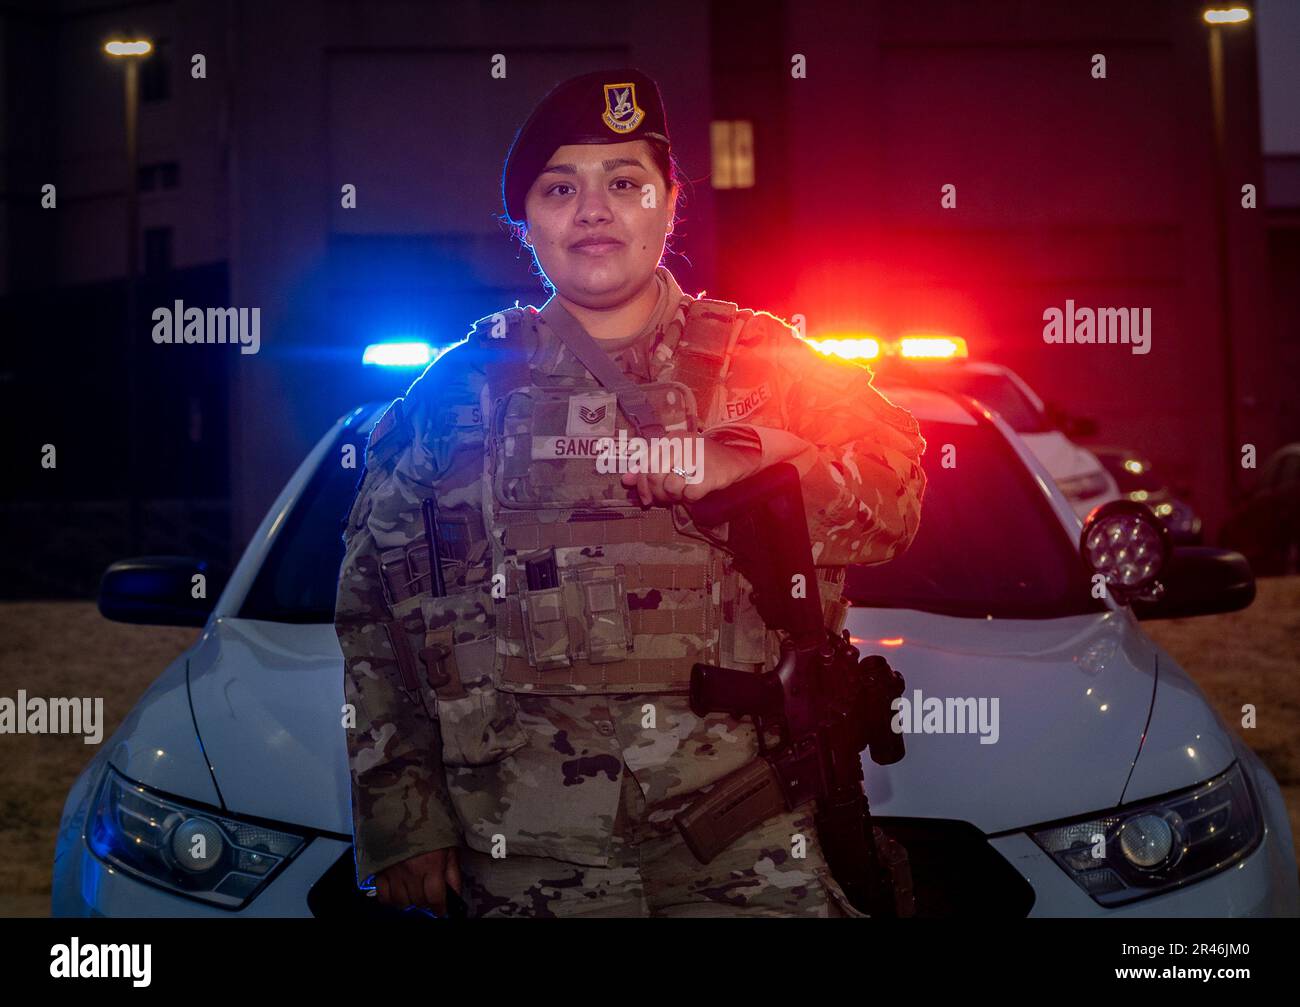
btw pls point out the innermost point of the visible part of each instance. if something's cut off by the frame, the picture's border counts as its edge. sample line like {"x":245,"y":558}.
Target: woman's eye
{"x":558,"y":185}
{"x":631,"y":184}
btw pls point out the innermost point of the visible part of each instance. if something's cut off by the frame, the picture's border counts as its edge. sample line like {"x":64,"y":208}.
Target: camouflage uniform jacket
{"x":440,"y":759}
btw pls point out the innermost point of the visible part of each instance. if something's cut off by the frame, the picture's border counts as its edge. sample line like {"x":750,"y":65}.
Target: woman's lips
{"x":597,"y":248}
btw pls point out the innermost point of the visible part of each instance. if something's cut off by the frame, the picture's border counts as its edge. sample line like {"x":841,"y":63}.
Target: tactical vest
{"x":602,"y":596}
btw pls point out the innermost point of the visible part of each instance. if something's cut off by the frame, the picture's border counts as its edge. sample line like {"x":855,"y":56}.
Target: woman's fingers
{"x":453,"y":869}
{"x":656,"y":487}
{"x":435,"y":892}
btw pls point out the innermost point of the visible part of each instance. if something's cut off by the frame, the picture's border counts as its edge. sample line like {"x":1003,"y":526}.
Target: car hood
{"x":268,"y":703}
{"x":1074,"y":700}
{"x":156,"y":743}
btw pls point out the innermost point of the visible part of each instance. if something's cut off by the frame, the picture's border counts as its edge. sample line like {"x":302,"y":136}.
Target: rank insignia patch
{"x":590,"y":414}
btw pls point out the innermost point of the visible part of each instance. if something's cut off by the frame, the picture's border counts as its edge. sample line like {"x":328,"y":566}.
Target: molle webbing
{"x":702,"y":354}
{"x":652,"y":621}
{"x":641,"y":577}
{"x":524,"y":531}
{"x":641,"y":674}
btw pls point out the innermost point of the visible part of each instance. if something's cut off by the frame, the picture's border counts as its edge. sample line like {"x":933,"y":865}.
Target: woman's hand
{"x":719,"y":466}
{"x":421,"y":880}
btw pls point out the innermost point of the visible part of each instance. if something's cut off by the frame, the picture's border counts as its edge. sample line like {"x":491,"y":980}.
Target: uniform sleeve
{"x":858,"y":454}
{"x":400,"y":801}
{"x":400,"y":804}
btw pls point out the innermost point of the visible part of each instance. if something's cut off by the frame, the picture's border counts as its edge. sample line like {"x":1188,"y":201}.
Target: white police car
{"x":1101,"y":782}
{"x":942,"y":362}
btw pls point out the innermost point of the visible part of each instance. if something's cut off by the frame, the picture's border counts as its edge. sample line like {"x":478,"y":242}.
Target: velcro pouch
{"x":546,"y":628}
{"x":605,"y":614}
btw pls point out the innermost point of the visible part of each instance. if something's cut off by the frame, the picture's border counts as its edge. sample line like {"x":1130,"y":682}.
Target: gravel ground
{"x":67,"y":649}
{"x":61,"y":649}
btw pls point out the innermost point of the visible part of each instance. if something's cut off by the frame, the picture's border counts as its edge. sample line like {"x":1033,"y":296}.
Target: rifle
{"x":824,"y":703}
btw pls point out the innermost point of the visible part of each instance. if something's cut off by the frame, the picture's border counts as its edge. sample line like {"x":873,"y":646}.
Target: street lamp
{"x":1226,"y":15}
{"x":1215,"y":17}
{"x":131,"y":51}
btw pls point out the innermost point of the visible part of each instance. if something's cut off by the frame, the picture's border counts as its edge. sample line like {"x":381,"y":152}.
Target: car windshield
{"x":299,"y":578}
{"x":998,"y":392}
{"x":988,"y":545}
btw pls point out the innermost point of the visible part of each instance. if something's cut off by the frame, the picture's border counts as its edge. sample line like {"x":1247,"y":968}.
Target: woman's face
{"x":594,"y":192}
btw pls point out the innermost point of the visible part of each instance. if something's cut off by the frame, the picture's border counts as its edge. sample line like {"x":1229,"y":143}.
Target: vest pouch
{"x":478,"y":722}
{"x":406,"y":635}
{"x":605,"y":614}
{"x":546,"y":628}
{"x":404,"y":573}
{"x":585,"y":617}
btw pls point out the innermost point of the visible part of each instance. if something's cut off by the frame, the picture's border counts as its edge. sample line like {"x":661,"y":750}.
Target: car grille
{"x":956,"y":873}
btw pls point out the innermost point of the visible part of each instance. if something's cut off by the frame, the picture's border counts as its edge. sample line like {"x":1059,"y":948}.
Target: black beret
{"x":608,"y":106}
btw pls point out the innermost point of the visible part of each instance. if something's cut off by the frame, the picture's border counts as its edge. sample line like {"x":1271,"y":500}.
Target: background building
{"x":817,"y":196}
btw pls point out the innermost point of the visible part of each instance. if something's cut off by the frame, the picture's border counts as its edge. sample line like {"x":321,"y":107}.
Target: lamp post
{"x":1218,"y":18}
{"x":131,"y":52}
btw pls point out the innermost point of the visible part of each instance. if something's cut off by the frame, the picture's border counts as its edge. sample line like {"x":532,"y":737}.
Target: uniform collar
{"x":633,"y":353}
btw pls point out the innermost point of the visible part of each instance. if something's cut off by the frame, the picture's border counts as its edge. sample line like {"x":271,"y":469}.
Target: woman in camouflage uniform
{"x":522,"y":731}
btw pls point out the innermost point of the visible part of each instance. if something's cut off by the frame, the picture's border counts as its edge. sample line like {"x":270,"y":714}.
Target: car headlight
{"x":1161,"y":844}
{"x":1083,"y":487}
{"x":214,"y":858}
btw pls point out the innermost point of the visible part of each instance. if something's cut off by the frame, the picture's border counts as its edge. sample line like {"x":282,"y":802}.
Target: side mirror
{"x":1201,"y":580}
{"x":1129,"y":546}
{"x":160,"y":590}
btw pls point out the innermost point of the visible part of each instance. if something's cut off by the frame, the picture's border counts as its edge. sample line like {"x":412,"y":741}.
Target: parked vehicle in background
{"x":1139,"y":481}
{"x":1265,"y":526}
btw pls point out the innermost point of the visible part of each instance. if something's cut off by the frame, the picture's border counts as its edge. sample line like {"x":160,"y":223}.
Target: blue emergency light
{"x":398,"y":354}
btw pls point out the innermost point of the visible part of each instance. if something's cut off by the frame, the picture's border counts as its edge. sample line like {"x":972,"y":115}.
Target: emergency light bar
{"x":927,"y":347}
{"x":912,"y":347}
{"x":398,"y":355}
{"x":847,"y":347}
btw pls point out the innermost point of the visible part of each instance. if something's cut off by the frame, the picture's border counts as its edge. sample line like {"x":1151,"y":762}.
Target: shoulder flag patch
{"x":386,"y":438}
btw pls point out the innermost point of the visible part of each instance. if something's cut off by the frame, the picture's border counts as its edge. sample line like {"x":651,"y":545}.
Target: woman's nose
{"x":593,"y":207}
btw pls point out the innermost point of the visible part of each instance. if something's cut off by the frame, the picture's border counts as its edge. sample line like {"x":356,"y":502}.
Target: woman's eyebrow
{"x":610,"y":165}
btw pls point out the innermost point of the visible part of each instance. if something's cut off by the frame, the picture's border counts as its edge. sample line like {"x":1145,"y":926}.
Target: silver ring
{"x":679,"y":471}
